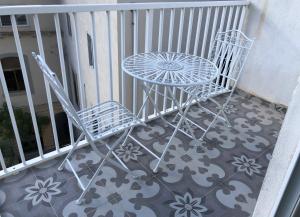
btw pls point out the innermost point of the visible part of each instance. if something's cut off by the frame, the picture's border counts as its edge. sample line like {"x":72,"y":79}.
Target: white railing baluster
{"x":63,"y":68}
{"x":95,"y":55}
{"x":12,"y":115}
{"x":26,"y":83}
{"x":135,"y":51}
{"x":242,"y":18}
{"x":159,"y":47}
{"x":236,"y":16}
{"x":229,"y":20}
{"x":224,"y":10}
{"x":170,"y":43}
{"x":189,"y":34}
{"x":2,"y":162}
{"x":123,"y":39}
{"x":207,"y":20}
{"x":221,"y":27}
{"x":74,"y":17}
{"x":171,"y":28}
{"x":48,"y":93}
{"x":180,"y":30}
{"x":179,"y":43}
{"x":148,"y":48}
{"x":188,"y":42}
{"x":213,"y":32}
{"x":198,"y":31}
{"x":108,"y":22}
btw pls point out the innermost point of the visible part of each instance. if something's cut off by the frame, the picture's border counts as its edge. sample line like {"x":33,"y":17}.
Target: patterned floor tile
{"x":23,"y":193}
{"x":218,"y":177}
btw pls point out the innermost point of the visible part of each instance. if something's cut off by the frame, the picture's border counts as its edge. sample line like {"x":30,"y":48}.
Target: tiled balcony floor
{"x":221,"y":179}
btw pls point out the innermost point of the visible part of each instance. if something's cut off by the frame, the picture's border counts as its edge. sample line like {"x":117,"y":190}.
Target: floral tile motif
{"x":188,"y":206}
{"x":220,"y":176}
{"x":19,"y":195}
{"x":42,"y":191}
{"x":246,"y":165}
{"x":129,"y":152}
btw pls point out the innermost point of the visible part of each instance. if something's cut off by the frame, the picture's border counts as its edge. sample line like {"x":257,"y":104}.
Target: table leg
{"x":182,"y":117}
{"x":181,"y":111}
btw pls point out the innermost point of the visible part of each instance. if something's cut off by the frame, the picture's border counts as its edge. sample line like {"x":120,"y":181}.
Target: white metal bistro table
{"x":170,"y":69}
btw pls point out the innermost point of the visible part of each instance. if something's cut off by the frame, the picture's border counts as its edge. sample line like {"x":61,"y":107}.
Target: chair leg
{"x":182,"y":118}
{"x":70,"y":152}
{"x":225,"y":117}
{"x":210,"y":125}
{"x":105,"y":158}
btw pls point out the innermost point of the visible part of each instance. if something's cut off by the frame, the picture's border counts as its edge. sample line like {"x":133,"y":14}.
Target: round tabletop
{"x":168,"y":68}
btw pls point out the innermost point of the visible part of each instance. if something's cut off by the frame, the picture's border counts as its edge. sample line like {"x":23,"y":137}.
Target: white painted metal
{"x":26,"y":83}
{"x":170,"y":42}
{"x":242,"y":18}
{"x":224,"y":10}
{"x":170,"y":70}
{"x":180,"y":30}
{"x":160,"y":38}
{"x":171,"y":29}
{"x":95,"y":55}
{"x":96,"y":123}
{"x":213,"y":31}
{"x":46,"y":9}
{"x":188,"y":42}
{"x":63,"y":68}
{"x":189,"y":34}
{"x":74,"y":18}
{"x":2,"y":162}
{"x":179,"y":43}
{"x":229,"y":19}
{"x":148,"y":45}
{"x":207,"y":20}
{"x":12,"y":116}
{"x":229,"y":52}
{"x":111,"y":93}
{"x":123,"y":39}
{"x":48,"y":93}
{"x":236,"y":17}
{"x":135,"y":51}
{"x":198,"y":31}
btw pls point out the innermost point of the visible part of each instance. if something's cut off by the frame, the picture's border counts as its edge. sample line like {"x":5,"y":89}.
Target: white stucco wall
{"x":274,"y":63}
{"x":88,"y":72}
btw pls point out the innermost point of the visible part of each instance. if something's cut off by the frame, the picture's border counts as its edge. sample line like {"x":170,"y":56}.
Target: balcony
{"x":85,"y":44}
{"x":222,"y":178}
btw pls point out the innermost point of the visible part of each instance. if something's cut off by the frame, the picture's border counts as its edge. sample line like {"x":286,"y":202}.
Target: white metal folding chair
{"x":229,"y":52}
{"x":95,"y":123}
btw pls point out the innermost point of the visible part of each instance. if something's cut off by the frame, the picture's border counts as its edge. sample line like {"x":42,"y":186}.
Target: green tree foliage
{"x":8,"y":144}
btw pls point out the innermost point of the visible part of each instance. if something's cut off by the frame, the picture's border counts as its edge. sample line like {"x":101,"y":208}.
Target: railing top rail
{"x":67,"y":8}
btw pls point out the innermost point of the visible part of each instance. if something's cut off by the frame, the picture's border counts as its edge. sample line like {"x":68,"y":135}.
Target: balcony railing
{"x":117,"y":31}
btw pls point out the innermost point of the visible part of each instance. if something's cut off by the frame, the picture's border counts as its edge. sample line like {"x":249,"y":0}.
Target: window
{"x":90,"y":50}
{"x":69,"y":25}
{"x":13,"y":74}
{"x":20,"y":19}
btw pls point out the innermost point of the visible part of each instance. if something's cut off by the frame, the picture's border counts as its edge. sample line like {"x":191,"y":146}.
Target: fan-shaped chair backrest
{"x":59,"y":91}
{"x":229,"y":52}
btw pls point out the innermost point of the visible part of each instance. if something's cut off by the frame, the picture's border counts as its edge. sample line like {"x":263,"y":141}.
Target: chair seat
{"x":106,"y":119}
{"x":205,"y":91}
